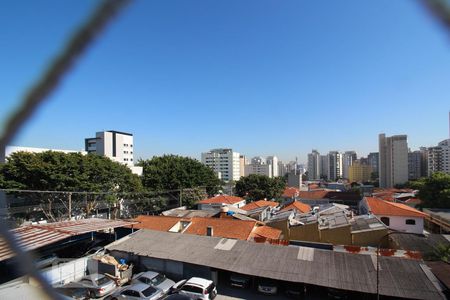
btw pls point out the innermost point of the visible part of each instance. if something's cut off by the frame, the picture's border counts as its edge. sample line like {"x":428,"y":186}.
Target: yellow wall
{"x":369,"y":238}
{"x":336,"y":236}
{"x":359,"y":173}
{"x":308,"y":232}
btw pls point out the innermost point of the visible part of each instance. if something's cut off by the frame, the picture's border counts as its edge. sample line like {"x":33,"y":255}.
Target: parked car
{"x":267,"y":286}
{"x":196,"y":288}
{"x":98,"y":285}
{"x":240,"y":281}
{"x":73,"y":292}
{"x":45,"y":261}
{"x":337,"y":294}
{"x":138,"y":291}
{"x":176,"y":297}
{"x":99,"y":250}
{"x":154,"y":279}
{"x":294,"y":290}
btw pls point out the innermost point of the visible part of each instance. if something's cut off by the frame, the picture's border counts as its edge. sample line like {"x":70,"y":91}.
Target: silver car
{"x":154,"y":279}
{"x":98,"y":285}
{"x":138,"y":291}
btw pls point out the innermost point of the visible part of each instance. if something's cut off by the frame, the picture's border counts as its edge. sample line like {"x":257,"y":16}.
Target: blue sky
{"x":261,"y":77}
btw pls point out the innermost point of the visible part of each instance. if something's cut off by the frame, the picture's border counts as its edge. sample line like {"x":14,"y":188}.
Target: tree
{"x":257,"y":187}
{"x":66,"y":172}
{"x":173,"y":172}
{"x":434,"y":191}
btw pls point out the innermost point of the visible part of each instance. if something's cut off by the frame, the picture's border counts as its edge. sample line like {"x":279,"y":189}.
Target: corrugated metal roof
{"x":398,"y":277}
{"x":35,"y":236}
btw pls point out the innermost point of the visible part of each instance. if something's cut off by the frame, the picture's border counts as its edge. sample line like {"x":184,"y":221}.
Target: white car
{"x":154,"y":279}
{"x":196,"y":288}
{"x":139,"y":291}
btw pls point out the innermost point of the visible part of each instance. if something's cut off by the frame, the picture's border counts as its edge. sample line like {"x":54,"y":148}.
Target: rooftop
{"x":290,"y":192}
{"x":221,"y":199}
{"x":298,"y":206}
{"x":382,"y":207}
{"x":294,"y":264}
{"x":35,"y":236}
{"x":366,"y":222}
{"x":259,"y":203}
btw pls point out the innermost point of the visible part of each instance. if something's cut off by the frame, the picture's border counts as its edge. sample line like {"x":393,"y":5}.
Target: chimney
{"x":209,"y":231}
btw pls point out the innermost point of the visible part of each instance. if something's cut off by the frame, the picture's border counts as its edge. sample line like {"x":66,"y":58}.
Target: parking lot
{"x":230,"y":293}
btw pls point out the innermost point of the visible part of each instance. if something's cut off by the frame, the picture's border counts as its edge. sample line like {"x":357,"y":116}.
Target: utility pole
{"x":69,"y":198}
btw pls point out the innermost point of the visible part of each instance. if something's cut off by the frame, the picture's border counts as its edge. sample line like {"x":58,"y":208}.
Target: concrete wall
{"x":369,"y":237}
{"x":283,"y":226}
{"x":308,"y":232}
{"x":66,"y":272}
{"x":399,"y":223}
{"x":338,"y":235}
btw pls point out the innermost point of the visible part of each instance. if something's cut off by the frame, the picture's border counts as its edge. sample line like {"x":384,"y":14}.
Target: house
{"x":396,"y":216}
{"x":219,"y":201}
{"x":290,"y":193}
{"x":220,"y":227}
{"x":297,"y":206}
{"x":261,"y":210}
{"x":333,"y":224}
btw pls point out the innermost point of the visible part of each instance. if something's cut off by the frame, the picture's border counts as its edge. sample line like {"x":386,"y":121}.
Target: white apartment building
{"x":314,"y":165}
{"x":12,"y":149}
{"x":273,"y":161}
{"x":439,"y":158}
{"x":393,"y":155}
{"x":259,"y":169}
{"x":225,"y":162}
{"x":116,"y":145}
{"x":347,"y":160}
{"x":334,"y":165}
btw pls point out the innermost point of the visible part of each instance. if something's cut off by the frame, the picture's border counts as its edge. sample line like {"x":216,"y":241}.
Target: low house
{"x":260,"y":210}
{"x":219,"y":201}
{"x":290,"y":193}
{"x":298,"y":206}
{"x":396,"y":216}
{"x":220,"y":227}
{"x":333,"y":224}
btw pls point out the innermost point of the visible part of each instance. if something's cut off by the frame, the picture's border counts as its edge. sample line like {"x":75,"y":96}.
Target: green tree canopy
{"x":173,"y":172}
{"x":57,"y":171}
{"x":434,"y":191}
{"x":257,"y":187}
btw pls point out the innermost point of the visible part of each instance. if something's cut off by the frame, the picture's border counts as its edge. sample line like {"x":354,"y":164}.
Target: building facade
{"x":438,"y":158}
{"x":393,"y":166}
{"x":334,"y":165}
{"x":273,"y":161}
{"x":359,"y":172}
{"x":225,"y":163}
{"x":314,"y":165}
{"x":374,"y":161}
{"x":415,"y":164}
{"x":323,"y":167}
{"x":348,"y":157}
{"x":117,"y":146}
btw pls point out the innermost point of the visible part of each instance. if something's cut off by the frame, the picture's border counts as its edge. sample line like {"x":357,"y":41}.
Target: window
{"x":131,"y":293}
{"x":385,"y":220}
{"x":410,"y":222}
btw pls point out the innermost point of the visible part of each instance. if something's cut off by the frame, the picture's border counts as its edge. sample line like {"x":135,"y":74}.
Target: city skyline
{"x":183,"y":88}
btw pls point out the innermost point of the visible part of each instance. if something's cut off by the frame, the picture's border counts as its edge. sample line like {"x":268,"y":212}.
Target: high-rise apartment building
{"x":282,"y":170}
{"x":374,"y":160}
{"x":417,"y":164}
{"x":314,"y":165}
{"x":439,"y":158}
{"x":323,"y":167}
{"x":334,"y":165}
{"x":359,"y":172}
{"x":225,"y":162}
{"x":348,"y":157}
{"x":393,"y":166}
{"x":242,"y":163}
{"x":116,"y":145}
{"x":273,"y":161}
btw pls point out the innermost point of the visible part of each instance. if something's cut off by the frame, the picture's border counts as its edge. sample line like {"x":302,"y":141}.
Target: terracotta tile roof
{"x":266,"y":232}
{"x":381,"y":207}
{"x":259,"y":203}
{"x":227,"y":228}
{"x":299,"y":206}
{"x":413,"y":201}
{"x":221,"y":199}
{"x":290,"y":192}
{"x":318,"y":194}
{"x":161,"y":223}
